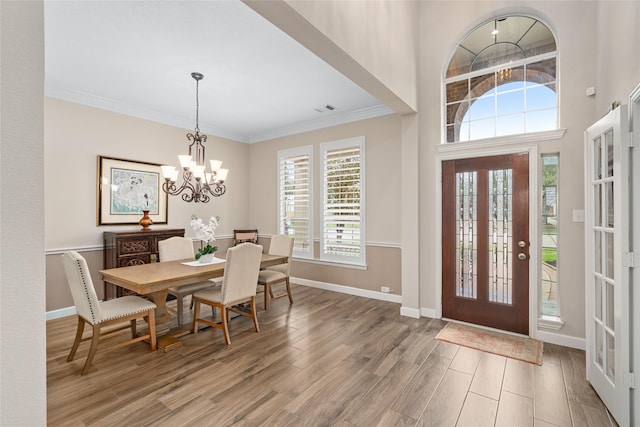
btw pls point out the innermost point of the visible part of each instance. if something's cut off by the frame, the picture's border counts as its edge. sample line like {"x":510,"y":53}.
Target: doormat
{"x":514,"y":347}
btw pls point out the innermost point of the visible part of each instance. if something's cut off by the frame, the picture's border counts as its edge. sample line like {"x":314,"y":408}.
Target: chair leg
{"x":76,"y":342}
{"x":267,"y":295}
{"x":151,"y":319}
{"x":134,"y":328}
{"x":254,"y":313}
{"x":179,"y":302}
{"x":196,"y":313}
{"x":225,"y":324}
{"x":95,"y":339}
{"x":289,"y":291}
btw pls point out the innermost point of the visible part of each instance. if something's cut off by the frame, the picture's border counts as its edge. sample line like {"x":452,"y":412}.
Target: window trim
{"x":283,"y":154}
{"x":332,"y":145}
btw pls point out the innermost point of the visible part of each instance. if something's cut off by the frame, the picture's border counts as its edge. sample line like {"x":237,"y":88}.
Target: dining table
{"x":154,"y":279}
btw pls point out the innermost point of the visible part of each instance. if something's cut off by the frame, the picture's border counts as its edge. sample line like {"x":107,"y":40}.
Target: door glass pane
{"x":597,"y":209}
{"x":609,"y":141}
{"x":609,"y":191}
{"x":609,"y":300}
{"x":597,"y":155}
{"x":611,"y":360}
{"x":466,"y":230}
{"x":597,"y":293}
{"x":599,"y":353}
{"x":610,"y":255}
{"x":500,"y":251}
{"x":598,"y":252}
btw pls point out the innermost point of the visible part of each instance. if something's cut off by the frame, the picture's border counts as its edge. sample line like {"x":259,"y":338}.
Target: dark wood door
{"x":485,"y":241}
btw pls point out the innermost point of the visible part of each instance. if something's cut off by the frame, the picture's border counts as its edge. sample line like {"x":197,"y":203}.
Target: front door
{"x":485,"y":241}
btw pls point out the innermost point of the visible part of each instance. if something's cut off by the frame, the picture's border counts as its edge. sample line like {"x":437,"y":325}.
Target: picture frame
{"x":127,"y":187}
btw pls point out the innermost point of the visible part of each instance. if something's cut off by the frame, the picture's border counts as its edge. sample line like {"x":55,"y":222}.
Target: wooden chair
{"x":175,"y":248}
{"x":281,"y":244}
{"x":238,"y":286}
{"x":244,"y":236}
{"x":106,"y":313}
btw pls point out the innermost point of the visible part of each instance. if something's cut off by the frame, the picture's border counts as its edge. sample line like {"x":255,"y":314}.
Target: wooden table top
{"x":145,"y":279}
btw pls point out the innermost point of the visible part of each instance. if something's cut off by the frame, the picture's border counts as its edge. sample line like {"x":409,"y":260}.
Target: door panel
{"x":485,"y":260}
{"x":607,"y":279}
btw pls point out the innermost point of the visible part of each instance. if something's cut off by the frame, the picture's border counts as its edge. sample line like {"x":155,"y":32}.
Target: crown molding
{"x":323,"y":122}
{"x":114,"y":106}
{"x":134,"y":111}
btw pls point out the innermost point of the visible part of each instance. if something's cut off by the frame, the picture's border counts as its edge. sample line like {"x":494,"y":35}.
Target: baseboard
{"x":410,"y":312}
{"x":348,"y":290}
{"x":61,"y":312}
{"x":563,"y":340}
{"x":428,"y":312}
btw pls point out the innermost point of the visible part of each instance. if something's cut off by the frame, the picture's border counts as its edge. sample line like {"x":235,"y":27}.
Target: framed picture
{"x":128,"y":187}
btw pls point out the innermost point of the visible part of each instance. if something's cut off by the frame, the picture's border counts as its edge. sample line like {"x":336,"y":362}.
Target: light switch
{"x":578,"y":215}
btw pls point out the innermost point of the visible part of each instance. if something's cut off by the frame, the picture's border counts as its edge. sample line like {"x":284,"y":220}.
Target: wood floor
{"x":329,"y":359}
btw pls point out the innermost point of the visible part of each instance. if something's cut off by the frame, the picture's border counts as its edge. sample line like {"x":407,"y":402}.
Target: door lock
{"x":522,"y":244}
{"x":522,"y":256}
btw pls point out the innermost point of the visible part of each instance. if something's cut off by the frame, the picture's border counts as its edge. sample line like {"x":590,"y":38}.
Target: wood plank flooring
{"x":329,"y":359}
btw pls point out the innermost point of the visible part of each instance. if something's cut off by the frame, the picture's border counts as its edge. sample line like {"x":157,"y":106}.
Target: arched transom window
{"x":502,"y":81}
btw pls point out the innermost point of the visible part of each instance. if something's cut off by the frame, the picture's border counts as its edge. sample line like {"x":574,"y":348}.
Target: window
{"x":550,"y":163}
{"x":502,"y":81}
{"x":343,"y":236}
{"x":295,"y":198}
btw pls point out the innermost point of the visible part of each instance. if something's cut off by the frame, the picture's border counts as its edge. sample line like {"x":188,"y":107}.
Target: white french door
{"x":607,"y":271}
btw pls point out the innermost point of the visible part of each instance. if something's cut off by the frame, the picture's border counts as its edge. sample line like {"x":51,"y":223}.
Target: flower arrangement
{"x":206,"y":233}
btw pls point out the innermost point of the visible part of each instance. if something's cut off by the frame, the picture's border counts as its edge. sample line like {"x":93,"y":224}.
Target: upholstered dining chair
{"x":281,"y":244}
{"x":238,"y":287}
{"x":99,"y":314}
{"x":244,"y":236}
{"x":175,"y":248}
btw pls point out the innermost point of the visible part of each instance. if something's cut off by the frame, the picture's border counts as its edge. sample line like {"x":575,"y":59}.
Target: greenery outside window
{"x":549,"y":256}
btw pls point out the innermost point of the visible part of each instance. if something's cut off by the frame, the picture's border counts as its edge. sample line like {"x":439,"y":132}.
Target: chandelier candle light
{"x":198,"y":184}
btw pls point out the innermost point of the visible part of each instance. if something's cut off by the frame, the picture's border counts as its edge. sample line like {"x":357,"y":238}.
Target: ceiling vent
{"x":324,"y":109}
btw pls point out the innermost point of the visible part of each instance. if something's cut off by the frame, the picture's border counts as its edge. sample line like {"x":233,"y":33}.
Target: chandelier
{"x":197,"y":184}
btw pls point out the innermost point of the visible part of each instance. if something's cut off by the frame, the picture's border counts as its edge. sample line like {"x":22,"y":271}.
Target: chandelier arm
{"x":217,"y":191}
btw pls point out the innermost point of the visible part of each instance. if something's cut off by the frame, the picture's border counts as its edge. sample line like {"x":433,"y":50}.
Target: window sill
{"x":554,"y":323}
{"x":501,"y":141}
{"x":332,"y":263}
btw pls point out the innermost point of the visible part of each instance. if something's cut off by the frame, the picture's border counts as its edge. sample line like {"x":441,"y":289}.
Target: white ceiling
{"x":136,"y":58}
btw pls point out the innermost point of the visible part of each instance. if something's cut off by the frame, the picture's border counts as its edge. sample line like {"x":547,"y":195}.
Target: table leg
{"x":160,"y":299}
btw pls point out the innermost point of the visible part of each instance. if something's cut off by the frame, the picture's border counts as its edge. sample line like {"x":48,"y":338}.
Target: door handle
{"x":522,"y":256}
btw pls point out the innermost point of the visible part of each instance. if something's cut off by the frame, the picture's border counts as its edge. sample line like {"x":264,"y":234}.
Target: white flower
{"x":206,"y":233}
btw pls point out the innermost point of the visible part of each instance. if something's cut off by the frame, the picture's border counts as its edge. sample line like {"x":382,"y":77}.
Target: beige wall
{"x":382,"y":153}
{"x":574,"y":24}
{"x":74,"y":137}
{"x":23,"y":380}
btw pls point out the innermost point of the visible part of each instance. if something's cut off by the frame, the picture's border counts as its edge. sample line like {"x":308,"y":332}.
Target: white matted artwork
{"x":126,"y":188}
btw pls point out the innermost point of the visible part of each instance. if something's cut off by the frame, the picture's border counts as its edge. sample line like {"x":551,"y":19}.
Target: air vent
{"x":325,"y":108}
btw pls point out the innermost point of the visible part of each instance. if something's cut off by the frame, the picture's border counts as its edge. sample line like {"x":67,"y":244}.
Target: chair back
{"x":282,"y":244}
{"x":81,"y":286}
{"x":175,"y":248}
{"x":244,"y":236}
{"x":241,"y":272}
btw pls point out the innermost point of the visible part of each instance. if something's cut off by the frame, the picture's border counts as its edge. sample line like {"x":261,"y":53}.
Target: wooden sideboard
{"x":125,"y":248}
